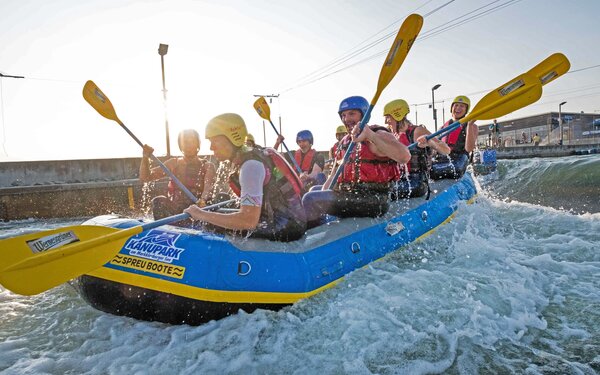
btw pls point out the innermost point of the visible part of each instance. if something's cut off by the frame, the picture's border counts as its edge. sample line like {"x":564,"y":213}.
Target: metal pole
{"x":433,"y":107}
{"x":560,"y":123}
{"x":416,"y":118}
{"x":162,"y":51}
{"x":433,"y":104}
{"x":443,"y":112}
{"x":264,"y":134}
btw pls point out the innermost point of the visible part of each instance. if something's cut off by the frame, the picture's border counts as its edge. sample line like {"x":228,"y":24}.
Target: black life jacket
{"x":420,"y":158}
{"x":456,"y":140}
{"x":282,"y":189}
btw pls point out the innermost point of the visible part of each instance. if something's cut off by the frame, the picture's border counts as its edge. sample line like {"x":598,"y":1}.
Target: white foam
{"x":504,"y":287}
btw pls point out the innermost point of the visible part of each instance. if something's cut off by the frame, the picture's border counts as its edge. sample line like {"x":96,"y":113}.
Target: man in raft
{"x":364,"y":185}
{"x":414,"y":180}
{"x":310,"y":161}
{"x":268,"y":187}
{"x":195,"y":173}
{"x":461,"y":142}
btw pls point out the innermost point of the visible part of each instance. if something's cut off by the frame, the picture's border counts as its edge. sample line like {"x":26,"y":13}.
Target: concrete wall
{"x":543,"y":151}
{"x":73,"y":188}
{"x":35,"y":173}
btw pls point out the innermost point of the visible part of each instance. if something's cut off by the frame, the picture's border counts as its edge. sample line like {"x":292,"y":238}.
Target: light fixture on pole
{"x":560,"y":123}
{"x":433,"y":104}
{"x":162,"y":51}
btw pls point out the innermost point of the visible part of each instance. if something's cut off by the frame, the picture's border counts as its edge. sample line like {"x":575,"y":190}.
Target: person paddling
{"x":310,"y":161}
{"x":461,"y":142}
{"x":197,"y":175}
{"x":268,"y":187}
{"x":414,"y":181}
{"x":364,"y":185}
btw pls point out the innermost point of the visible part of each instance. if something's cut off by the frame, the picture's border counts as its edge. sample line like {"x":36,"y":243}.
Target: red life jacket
{"x":364,"y":166}
{"x":305,"y":161}
{"x":337,"y":151}
{"x":282,"y":189}
{"x":191,"y":174}
{"x":457,"y":138}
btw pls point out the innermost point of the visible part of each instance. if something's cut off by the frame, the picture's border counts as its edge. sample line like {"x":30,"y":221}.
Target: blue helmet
{"x":354,"y":102}
{"x":304,"y":135}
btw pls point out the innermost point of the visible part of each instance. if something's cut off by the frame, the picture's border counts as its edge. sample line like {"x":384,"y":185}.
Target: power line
{"x":353,"y":51}
{"x":431,"y":33}
{"x":586,"y":68}
{"x":424,"y":36}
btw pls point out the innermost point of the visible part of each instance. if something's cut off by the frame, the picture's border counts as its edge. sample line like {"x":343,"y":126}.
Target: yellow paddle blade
{"x":551,"y":68}
{"x":402,"y":44}
{"x":515,"y":94}
{"x":35,"y":262}
{"x":262,"y":108}
{"x":100,"y":102}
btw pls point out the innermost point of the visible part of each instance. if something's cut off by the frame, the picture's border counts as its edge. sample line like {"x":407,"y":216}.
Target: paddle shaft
{"x":362,"y":124}
{"x":292,"y":158}
{"x":164,"y":167}
{"x":400,"y":48}
{"x":441,"y":133}
{"x":484,"y":111}
{"x":182,"y":216}
{"x":40,"y":258}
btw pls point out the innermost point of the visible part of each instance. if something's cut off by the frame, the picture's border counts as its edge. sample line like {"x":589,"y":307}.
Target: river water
{"x":510,"y":285}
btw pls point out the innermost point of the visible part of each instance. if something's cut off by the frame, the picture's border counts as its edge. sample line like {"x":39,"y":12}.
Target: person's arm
{"x":471,"y":139}
{"x":209,"y":181}
{"x":279,"y":141}
{"x":421,"y":133}
{"x":245,"y":219}
{"x":252,"y":176}
{"x":147,"y":174}
{"x":383,"y":144}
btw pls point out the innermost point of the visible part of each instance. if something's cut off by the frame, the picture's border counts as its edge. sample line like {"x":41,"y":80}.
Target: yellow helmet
{"x":249,"y":137}
{"x":231,"y":125}
{"x":341,"y":130}
{"x":461,"y":99}
{"x":398,"y":109}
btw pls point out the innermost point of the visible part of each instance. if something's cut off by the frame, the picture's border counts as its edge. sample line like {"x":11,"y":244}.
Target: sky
{"x":222,"y":53}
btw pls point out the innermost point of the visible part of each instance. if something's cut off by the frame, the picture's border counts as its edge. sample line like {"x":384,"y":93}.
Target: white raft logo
{"x":155,"y":245}
{"x":52,"y":241}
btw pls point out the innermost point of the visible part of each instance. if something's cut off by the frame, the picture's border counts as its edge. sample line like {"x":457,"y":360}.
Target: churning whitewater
{"x":510,"y":285}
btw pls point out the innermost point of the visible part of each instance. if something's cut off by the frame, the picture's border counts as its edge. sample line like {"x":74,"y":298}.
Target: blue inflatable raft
{"x":184,"y":276}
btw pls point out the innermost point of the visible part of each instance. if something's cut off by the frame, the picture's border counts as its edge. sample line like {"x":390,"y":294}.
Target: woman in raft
{"x":414,"y":181}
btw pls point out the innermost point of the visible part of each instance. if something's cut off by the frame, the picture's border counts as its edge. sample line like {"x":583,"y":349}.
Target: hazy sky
{"x":221,"y":53}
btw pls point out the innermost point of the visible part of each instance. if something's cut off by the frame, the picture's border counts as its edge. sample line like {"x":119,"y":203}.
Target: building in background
{"x":578,"y":129}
